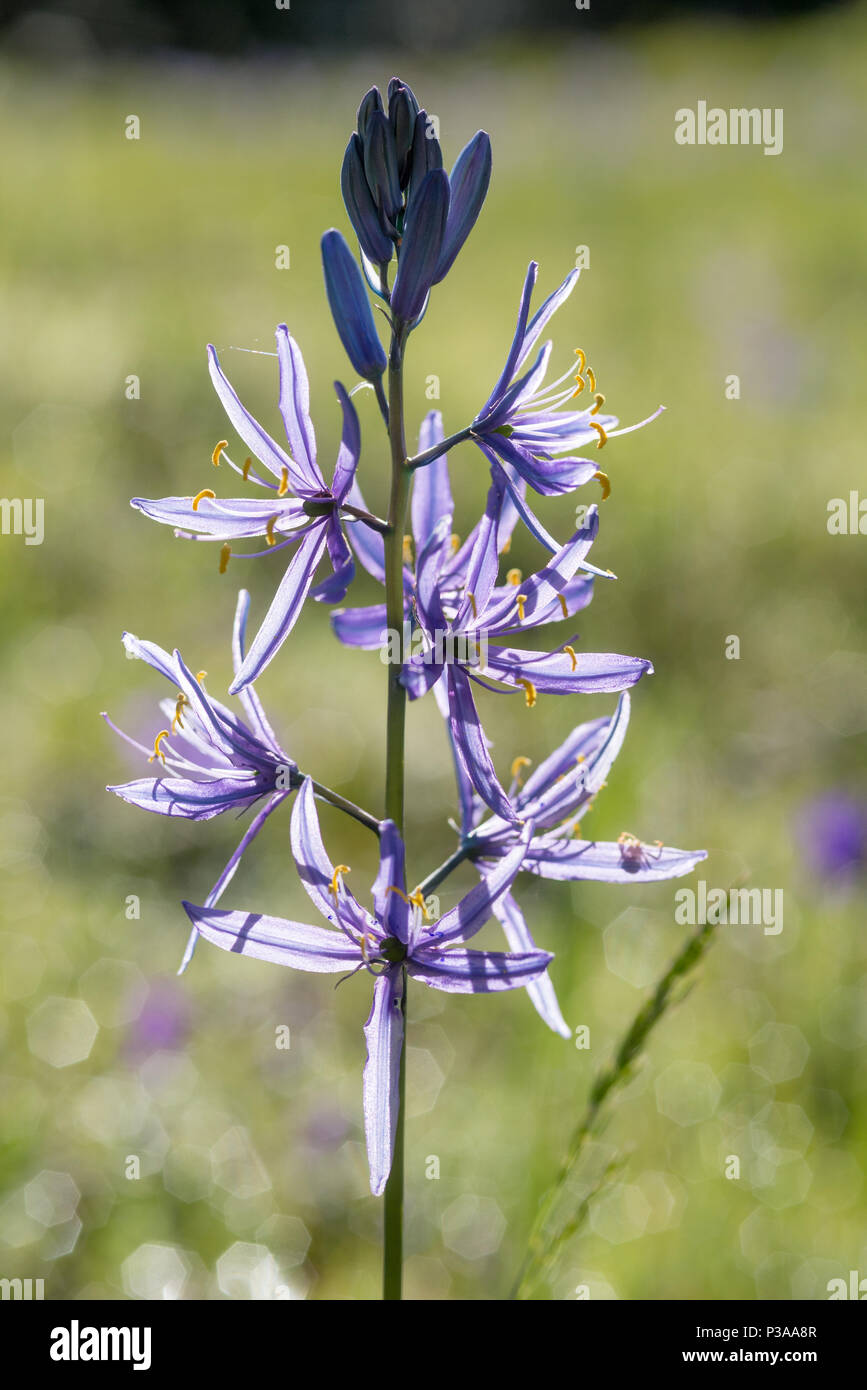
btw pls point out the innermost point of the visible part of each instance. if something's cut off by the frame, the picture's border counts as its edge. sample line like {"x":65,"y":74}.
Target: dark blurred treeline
{"x":247,"y":27}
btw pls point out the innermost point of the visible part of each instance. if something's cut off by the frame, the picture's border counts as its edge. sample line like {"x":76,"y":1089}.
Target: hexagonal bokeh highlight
{"x":288,"y":1236}
{"x":620,"y":1213}
{"x":114,"y":990}
{"x":687,"y":1092}
{"x":779,"y":1051}
{"x":236,"y":1167}
{"x":51,"y":1198}
{"x":155,"y":1272}
{"x":61,"y":1031}
{"x":473,"y":1227}
{"x":635,"y":948}
{"x":248,"y":1271}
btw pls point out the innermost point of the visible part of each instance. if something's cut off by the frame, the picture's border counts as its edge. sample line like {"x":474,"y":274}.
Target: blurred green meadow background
{"x":123,"y":258}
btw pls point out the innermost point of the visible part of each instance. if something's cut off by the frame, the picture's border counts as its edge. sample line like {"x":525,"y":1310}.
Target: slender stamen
{"x":516,"y":768}
{"x":248,"y":463}
{"x":571,"y":651}
{"x":455,"y":543}
{"x":582,"y":358}
{"x":564,"y":605}
{"x":529,"y":691}
{"x":284,"y":482}
{"x":179,"y":709}
{"x":407,"y":550}
{"x":600,"y":401}
{"x":269,"y":530}
{"x":595,"y":425}
{"x":158,"y":753}
{"x":579,"y":388}
{"x":514,"y":577}
{"x":506,"y":546}
{"x":603,"y":479}
{"x":472,"y":599}
{"x":218,"y":449}
{"x":200,"y":676}
{"x":591,"y":377}
{"x":520,"y":601}
{"x":335,"y":877}
{"x":205,"y":492}
{"x":225,"y":552}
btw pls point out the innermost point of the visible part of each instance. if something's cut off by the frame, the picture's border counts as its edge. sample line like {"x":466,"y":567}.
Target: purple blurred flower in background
{"x":832,"y":833}
{"x":164,"y":1021}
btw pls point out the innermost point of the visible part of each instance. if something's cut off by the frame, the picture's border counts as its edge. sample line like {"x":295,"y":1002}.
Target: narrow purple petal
{"x":474,"y":909}
{"x":294,"y":405}
{"x":383,"y":1033}
{"x":553,"y":856}
{"x":361,"y":627}
{"x":275,"y":939}
{"x":391,"y":907}
{"x":257,"y":439}
{"x":431,"y":493}
{"x":285,"y":609}
{"x":556,"y":675}
{"x":461,"y":971}
{"x":472,"y":746}
{"x":541,"y":990}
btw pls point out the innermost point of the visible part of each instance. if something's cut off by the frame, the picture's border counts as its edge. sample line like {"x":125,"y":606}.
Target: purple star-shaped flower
{"x":215,"y":761}
{"x":522,"y":429}
{"x":392,"y":939}
{"x":300,"y":508}
{"x":460,"y":611}
{"x":555,"y":798}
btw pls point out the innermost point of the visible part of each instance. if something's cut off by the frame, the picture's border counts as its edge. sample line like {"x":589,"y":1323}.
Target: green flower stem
{"x":392,"y":1255}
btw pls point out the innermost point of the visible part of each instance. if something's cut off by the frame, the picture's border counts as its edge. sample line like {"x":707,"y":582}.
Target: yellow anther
{"x":407,"y":550}
{"x":600,"y":401}
{"x":604,"y":481}
{"x":179,"y":709}
{"x":269,"y":529}
{"x":529,"y":692}
{"x":582,"y":758}
{"x":205,"y":492}
{"x":393,"y":888}
{"x":200,"y":676}
{"x":520,"y":601}
{"x":455,"y":543}
{"x":595,"y":425}
{"x":591,"y":377}
{"x":516,"y":768}
{"x":340,"y":869}
{"x":582,"y":358}
{"x":225,"y":552}
{"x":363,"y":944}
{"x":158,"y":752}
{"x":417,"y":900}
{"x":506,"y":546}
{"x":284,"y":482}
{"x":514,"y":577}
{"x":579,"y":388}
{"x":215,"y":456}
{"x":564,"y":605}
{"x":246,"y":469}
{"x":472,"y":599}
{"x":571,"y":651}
